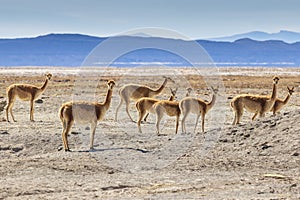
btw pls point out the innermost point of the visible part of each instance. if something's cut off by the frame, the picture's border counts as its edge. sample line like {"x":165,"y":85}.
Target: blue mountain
{"x":72,"y":49}
{"x":48,"y":50}
{"x":283,"y":35}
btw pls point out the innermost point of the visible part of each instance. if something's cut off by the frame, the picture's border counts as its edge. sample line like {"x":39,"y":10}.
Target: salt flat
{"x":254,"y":160}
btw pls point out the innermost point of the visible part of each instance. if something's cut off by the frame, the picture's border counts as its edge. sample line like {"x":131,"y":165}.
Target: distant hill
{"x":72,"y":49}
{"x":48,"y":50}
{"x":286,"y":36}
{"x":247,"y":52}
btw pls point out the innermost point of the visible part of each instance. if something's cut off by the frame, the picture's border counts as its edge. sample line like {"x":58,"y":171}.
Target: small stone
{"x":295,"y":154}
{"x":17,"y":149}
{"x":273,"y":124}
{"x":4,"y":133}
{"x":265,"y":146}
{"x":223,"y":140}
{"x":39,"y":101}
{"x":4,"y":148}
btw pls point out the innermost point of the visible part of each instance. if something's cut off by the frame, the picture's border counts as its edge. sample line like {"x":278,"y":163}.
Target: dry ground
{"x":254,"y":160}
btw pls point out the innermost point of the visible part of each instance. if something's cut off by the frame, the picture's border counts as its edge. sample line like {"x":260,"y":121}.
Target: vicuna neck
{"x":274,"y":92}
{"x":171,"y":98}
{"x":287,"y":98}
{"x":159,"y":90}
{"x":212,"y":102}
{"x":107,"y":99}
{"x":44,"y":85}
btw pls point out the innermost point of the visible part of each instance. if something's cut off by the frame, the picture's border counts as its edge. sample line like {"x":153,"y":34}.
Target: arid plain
{"x":253,"y":160}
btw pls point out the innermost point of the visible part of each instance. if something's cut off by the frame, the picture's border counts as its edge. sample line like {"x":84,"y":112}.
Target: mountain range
{"x":283,"y":35}
{"x":72,"y":49}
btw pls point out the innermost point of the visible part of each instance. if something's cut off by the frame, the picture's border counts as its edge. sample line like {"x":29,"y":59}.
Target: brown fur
{"x":171,"y":108}
{"x":196,"y":106}
{"x":279,"y":103}
{"x":171,"y":98}
{"x":25,"y":92}
{"x":144,"y":106}
{"x":84,"y":112}
{"x":257,"y":104}
{"x":135,"y":92}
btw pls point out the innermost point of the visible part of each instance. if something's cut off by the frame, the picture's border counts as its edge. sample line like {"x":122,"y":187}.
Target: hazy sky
{"x":193,"y":18}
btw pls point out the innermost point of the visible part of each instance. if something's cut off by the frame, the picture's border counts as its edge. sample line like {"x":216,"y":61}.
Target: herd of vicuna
{"x":92,"y":112}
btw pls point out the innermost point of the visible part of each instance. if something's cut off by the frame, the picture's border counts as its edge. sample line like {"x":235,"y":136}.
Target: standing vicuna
{"x":135,"y":92}
{"x":144,"y":106}
{"x":196,"y":106}
{"x":25,"y":92}
{"x":279,"y":103}
{"x":171,"y":108}
{"x":257,"y":104}
{"x":84,"y":112}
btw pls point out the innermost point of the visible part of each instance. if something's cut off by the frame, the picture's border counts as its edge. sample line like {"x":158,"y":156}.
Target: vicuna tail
{"x":61,"y":111}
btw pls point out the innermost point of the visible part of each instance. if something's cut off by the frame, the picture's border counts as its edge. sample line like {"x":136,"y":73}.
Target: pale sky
{"x":196,"y":19}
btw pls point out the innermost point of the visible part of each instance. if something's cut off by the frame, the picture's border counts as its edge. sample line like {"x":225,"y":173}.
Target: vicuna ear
{"x":290,"y":89}
{"x":48,"y":75}
{"x":173,"y":91}
{"x":110,"y":82}
{"x":214,"y":89}
{"x":166,"y":77}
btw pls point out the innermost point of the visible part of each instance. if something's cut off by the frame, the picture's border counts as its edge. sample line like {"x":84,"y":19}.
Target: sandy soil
{"x":255,"y":160}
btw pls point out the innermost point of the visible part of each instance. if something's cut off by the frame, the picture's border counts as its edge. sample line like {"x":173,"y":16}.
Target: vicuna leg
{"x":142,"y":113}
{"x":254,"y":116}
{"x":235,"y":118}
{"x":9,"y":107}
{"x":183,"y":122}
{"x":274,"y":111}
{"x":127,"y":101}
{"x":177,"y":124}
{"x":66,"y":129}
{"x":197,"y":118}
{"x":117,"y":110}
{"x":92,"y":136}
{"x":31,"y":110}
{"x":239,"y":114}
{"x":203,"y":120}
{"x":11,"y":100}
{"x":145,"y":119}
{"x":159,"y":116}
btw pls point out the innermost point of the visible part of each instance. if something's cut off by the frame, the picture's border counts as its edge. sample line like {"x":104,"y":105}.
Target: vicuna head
{"x":173,"y":92}
{"x":169,"y":79}
{"x":291,"y":90}
{"x":275,"y":79}
{"x":48,"y":76}
{"x":214,"y":90}
{"x":111,"y":84}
